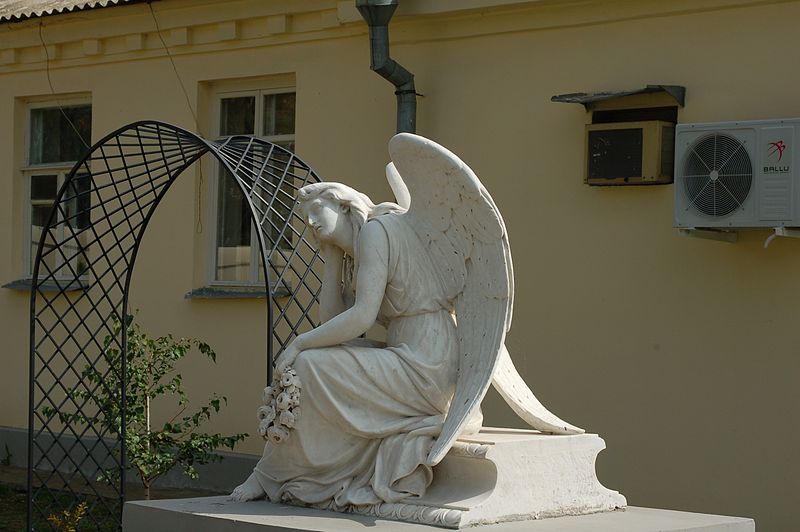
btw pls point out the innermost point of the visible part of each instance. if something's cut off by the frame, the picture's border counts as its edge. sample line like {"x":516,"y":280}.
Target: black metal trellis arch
{"x":81,"y":280}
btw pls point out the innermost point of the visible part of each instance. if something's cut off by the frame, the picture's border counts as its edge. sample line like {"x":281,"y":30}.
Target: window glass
{"x":237,"y":116}
{"x":59,"y":134}
{"x":77,"y":217}
{"x":279,"y":114}
{"x":233,"y":231}
{"x":58,"y":137}
{"x":39,"y":214}
{"x":272,"y":117}
{"x":44,"y":187}
{"x":77,"y":202}
{"x":43,"y":192}
{"x":279,"y":234}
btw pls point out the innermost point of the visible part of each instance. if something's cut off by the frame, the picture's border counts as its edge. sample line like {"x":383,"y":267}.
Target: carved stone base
{"x":502,"y":475}
{"x":218,"y":514}
{"x":497,"y":476}
{"x":510,"y":475}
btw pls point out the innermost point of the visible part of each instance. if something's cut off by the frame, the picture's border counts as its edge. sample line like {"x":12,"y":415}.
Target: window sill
{"x":64,"y":285}
{"x":235,"y":292}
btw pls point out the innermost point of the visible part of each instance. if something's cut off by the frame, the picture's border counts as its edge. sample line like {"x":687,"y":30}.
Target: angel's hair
{"x":360,"y":210}
{"x":359,"y":205}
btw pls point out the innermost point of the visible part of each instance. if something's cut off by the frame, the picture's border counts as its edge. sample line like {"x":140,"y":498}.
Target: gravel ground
{"x":13,"y":497}
{"x":12,"y":508}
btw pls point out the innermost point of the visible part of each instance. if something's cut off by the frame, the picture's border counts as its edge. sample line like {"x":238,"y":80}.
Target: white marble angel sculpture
{"x":435,"y":270}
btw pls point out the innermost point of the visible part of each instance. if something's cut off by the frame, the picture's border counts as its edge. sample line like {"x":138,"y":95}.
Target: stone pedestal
{"x":511,"y":475}
{"x":501,"y":480}
{"x":217,"y":514}
{"x":502,"y":475}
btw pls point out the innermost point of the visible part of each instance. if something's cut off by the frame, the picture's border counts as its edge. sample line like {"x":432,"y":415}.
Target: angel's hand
{"x":286,"y":358}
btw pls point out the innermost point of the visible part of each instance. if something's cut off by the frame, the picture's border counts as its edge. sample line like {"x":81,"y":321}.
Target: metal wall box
{"x":629,"y":153}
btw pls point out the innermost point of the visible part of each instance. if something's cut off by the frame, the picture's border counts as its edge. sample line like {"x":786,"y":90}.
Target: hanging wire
{"x":53,"y":90}
{"x":199,"y":225}
{"x":174,"y":67}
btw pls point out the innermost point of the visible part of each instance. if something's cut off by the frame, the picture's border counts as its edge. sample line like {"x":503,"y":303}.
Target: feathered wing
{"x":399,"y":189}
{"x":511,"y":387}
{"x":462,"y":229}
{"x":510,"y":384}
{"x":460,"y":224}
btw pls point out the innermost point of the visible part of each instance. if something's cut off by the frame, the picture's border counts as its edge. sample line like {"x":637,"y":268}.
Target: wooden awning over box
{"x":587,"y":99}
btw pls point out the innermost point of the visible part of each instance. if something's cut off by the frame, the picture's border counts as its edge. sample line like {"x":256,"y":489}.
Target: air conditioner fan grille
{"x":717,"y":174}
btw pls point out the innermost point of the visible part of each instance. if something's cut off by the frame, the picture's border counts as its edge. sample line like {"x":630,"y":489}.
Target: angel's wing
{"x":509,"y":384}
{"x":507,"y":380}
{"x":401,"y":195}
{"x":457,"y":220}
{"x":464,"y":231}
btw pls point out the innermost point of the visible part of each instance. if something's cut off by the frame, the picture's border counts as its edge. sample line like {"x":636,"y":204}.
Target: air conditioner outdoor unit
{"x":736,"y":175}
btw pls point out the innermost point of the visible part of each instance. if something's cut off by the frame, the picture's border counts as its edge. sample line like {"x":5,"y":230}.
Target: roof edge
{"x":42,"y":10}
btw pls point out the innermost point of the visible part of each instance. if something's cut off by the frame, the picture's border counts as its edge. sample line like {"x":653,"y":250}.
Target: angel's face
{"x":328,"y":219}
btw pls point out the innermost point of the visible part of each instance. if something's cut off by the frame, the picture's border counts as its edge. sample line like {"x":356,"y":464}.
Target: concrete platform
{"x":218,"y":514}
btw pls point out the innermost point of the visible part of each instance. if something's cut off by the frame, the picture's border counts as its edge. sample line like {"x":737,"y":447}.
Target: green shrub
{"x":151,"y":374}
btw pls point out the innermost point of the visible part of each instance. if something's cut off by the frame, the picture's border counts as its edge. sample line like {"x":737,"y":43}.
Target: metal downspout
{"x":377,"y":14}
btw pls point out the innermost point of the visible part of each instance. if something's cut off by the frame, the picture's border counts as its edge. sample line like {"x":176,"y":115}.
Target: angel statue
{"x":435,"y":270}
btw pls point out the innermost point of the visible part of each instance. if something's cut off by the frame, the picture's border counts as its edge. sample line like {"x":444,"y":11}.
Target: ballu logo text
{"x":776,"y":148}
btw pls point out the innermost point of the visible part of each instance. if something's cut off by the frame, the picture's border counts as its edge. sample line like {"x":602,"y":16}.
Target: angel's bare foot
{"x":249,"y":490}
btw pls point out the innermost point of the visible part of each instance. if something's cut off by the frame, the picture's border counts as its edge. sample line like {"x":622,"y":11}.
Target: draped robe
{"x":371,"y":414}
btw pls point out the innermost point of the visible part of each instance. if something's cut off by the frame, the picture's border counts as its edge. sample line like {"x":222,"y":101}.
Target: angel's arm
{"x":373,"y":272}
{"x":331,"y":302}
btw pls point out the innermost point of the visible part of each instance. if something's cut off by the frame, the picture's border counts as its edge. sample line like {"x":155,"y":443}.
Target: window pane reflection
{"x":59,"y":134}
{"x":237,"y":116}
{"x":271,"y":116}
{"x":279,"y":114}
{"x":233,"y":231}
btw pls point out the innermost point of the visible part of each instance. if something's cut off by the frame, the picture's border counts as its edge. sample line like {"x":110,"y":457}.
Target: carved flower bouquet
{"x":281,"y":408}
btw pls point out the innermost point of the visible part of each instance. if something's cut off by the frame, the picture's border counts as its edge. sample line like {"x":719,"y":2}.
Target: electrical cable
{"x":199,"y":225}
{"x":174,"y":67}
{"x":53,"y":90}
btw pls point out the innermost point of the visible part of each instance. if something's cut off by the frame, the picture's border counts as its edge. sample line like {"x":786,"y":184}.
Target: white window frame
{"x":61,"y":169}
{"x":254,"y":275}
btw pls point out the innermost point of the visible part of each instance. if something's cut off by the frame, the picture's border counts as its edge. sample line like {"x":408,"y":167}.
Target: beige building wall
{"x":680,"y":352}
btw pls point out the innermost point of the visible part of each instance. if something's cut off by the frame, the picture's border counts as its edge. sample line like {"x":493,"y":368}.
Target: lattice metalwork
{"x":81,"y":279}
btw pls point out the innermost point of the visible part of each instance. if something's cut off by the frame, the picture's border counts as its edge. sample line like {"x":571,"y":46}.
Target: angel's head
{"x":336,"y":212}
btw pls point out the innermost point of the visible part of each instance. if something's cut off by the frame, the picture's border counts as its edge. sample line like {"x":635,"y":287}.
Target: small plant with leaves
{"x":68,"y":521}
{"x":6,"y":460}
{"x":151,"y":451}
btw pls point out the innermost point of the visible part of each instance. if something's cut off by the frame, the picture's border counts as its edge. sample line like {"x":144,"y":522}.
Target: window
{"x":269,"y":114}
{"x":57,"y":135}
